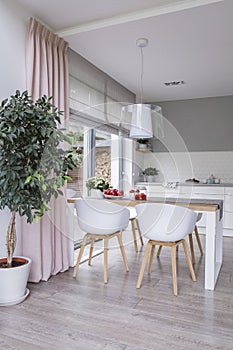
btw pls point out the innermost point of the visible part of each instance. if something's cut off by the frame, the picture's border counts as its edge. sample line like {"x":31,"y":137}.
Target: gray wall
{"x":204,"y":124}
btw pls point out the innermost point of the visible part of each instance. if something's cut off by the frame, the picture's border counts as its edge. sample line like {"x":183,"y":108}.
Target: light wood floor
{"x":85,"y":314}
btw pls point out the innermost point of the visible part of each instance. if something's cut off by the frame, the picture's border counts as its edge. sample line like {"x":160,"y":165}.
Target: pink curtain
{"x":46,"y":243}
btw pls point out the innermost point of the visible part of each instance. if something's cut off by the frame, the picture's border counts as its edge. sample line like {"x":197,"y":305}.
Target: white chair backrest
{"x":165,"y":222}
{"x":133,"y":213}
{"x":199,"y":216}
{"x":98,"y":216}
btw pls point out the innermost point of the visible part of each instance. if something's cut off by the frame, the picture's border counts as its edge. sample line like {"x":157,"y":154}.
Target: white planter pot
{"x":96,"y":194}
{"x":142,"y":146}
{"x":150,"y":178}
{"x":13,"y":282}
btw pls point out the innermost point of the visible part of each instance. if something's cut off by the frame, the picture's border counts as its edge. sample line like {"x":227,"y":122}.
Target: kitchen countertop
{"x":222,"y":184}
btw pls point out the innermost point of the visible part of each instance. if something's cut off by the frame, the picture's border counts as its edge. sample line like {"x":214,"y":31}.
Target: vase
{"x":96,"y":194}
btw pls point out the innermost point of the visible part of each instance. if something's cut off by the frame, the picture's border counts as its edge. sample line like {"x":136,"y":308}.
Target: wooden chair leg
{"x":174,"y":273}
{"x":160,"y":248}
{"x":105,"y":260}
{"x":198,"y":240}
{"x":141,"y":273}
{"x":91,"y":251}
{"x":191,"y":247}
{"x":80,"y":255}
{"x":151,"y":257}
{"x":188,"y":260}
{"x":119,"y":237}
{"x":134,"y":235}
{"x":159,"y":251}
{"x":139,"y":231}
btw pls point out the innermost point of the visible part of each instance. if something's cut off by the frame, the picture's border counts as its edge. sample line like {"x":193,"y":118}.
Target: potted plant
{"x":97,"y":185}
{"x":32,"y":169}
{"x":142,"y":144}
{"x":150,"y":174}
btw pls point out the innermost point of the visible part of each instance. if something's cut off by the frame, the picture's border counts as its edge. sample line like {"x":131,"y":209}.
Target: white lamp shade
{"x":141,"y":123}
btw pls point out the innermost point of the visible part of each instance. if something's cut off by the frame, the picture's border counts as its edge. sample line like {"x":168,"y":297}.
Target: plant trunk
{"x":11,"y":240}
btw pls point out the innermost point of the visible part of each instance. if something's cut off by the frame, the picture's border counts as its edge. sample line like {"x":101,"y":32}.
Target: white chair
{"x":199,"y":216}
{"x":165,"y":225}
{"x":133,"y":219}
{"x":103,"y":220}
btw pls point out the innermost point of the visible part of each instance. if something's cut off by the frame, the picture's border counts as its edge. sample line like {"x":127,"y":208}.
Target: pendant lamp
{"x":141,"y":122}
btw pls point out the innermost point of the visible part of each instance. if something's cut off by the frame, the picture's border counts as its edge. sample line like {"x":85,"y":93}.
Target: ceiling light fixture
{"x":141,"y":122}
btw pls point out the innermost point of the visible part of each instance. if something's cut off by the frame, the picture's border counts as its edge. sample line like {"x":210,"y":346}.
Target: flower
{"x":97,"y":183}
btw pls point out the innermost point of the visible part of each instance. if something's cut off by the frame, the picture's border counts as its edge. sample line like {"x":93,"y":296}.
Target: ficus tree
{"x":35,"y":155}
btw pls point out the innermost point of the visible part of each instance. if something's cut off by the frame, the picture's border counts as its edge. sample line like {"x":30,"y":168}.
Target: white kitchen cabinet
{"x":224,"y":193}
{"x":203,"y":192}
{"x":228,"y":212}
{"x":158,"y":190}
{"x":228,"y":200}
{"x":228,"y":190}
{"x":228,"y":203}
{"x":228,"y":221}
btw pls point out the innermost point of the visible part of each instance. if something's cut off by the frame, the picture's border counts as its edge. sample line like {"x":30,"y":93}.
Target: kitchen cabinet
{"x":228,"y":210}
{"x":200,"y":192}
{"x":158,"y":190}
{"x":221,"y":191}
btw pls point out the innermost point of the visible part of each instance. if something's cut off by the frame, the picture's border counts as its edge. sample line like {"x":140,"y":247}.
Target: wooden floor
{"x":85,"y":314}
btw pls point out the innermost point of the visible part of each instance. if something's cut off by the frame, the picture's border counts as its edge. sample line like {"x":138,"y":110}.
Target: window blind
{"x":96,"y":99}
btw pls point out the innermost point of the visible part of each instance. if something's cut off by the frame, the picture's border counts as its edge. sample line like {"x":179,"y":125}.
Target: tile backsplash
{"x":179,"y":166}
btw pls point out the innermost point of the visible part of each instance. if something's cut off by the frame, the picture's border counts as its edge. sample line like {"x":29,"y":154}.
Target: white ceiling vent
{"x":174,"y":83}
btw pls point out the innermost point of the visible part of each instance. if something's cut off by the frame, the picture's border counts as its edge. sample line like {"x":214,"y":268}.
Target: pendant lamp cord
{"x":142,"y":72}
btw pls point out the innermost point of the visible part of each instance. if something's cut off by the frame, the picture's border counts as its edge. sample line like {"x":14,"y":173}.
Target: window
{"x":96,"y":102}
{"x":101,"y":153}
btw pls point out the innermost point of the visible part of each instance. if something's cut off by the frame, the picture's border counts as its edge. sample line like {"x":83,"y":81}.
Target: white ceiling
{"x":189,"y":40}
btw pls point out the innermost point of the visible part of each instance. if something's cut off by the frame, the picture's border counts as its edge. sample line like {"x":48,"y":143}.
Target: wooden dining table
{"x":214,"y":234}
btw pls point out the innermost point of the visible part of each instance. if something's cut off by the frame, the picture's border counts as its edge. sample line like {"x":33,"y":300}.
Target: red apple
{"x":143,"y":196}
{"x":115,"y":192}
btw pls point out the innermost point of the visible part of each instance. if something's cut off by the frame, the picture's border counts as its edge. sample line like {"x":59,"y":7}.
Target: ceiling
{"x":189,"y":40}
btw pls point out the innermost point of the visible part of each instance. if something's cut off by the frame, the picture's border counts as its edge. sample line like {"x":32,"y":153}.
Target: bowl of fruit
{"x":113,"y":193}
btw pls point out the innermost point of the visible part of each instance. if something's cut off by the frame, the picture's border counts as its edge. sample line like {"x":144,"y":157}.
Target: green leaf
{"x":68,"y":178}
{"x":36,"y":219}
{"x":28,"y":179}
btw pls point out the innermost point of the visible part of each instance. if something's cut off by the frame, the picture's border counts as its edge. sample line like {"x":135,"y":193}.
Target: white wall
{"x":203,"y":124}
{"x":13,"y":23}
{"x":179,"y":166}
{"x":197,"y":141}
